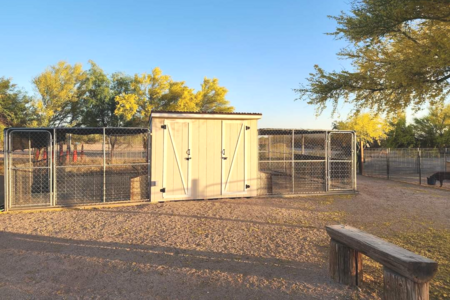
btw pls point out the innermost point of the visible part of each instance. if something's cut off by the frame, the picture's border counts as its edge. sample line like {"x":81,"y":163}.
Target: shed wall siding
{"x":206,"y":163}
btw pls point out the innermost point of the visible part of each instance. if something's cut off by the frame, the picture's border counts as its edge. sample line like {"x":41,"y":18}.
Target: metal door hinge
{"x":247,"y":186}
{"x":163,"y":190}
{"x":247,"y":127}
{"x":163,"y":126}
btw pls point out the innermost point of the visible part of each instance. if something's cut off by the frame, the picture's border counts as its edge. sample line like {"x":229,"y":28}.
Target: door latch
{"x":163,"y":126}
{"x":247,"y":186}
{"x":163,"y":190}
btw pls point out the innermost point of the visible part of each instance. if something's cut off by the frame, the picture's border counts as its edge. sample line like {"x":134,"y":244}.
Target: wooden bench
{"x":406,"y":274}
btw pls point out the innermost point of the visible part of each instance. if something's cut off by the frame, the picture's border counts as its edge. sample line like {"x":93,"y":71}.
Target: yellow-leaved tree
{"x":127,"y":105}
{"x":179,"y":98}
{"x":211,"y":98}
{"x":369,"y":128}
{"x":59,"y":90}
{"x":148,"y":90}
{"x":156,"y":91}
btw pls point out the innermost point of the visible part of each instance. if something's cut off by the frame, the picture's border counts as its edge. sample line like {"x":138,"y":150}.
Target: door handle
{"x":224,"y":158}
{"x":188,"y":158}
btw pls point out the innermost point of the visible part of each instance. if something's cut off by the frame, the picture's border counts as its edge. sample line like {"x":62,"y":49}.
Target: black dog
{"x":441,"y":176}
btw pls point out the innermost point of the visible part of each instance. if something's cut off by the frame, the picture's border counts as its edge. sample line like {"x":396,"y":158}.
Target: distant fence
{"x":412,"y":165}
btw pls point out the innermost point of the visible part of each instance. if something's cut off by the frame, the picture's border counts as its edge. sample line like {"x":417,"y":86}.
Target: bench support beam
{"x":345,"y":264}
{"x":398,"y":287}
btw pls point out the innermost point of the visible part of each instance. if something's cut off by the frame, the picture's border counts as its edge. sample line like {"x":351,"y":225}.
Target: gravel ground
{"x":262,"y":248}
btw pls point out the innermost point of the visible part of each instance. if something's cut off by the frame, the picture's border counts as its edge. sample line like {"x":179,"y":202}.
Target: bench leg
{"x":345,"y":264}
{"x":398,"y":287}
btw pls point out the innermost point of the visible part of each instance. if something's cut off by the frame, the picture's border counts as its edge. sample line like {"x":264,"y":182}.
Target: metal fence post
{"x":104,"y":164}
{"x":445,"y":159}
{"x":293,"y":163}
{"x":326,"y":160}
{"x":9,"y":171}
{"x":149,"y":159}
{"x":420,"y":165}
{"x":5,"y":171}
{"x":269,"y":154}
{"x":354,"y":160}
{"x":54,"y":159}
{"x":388,"y":166}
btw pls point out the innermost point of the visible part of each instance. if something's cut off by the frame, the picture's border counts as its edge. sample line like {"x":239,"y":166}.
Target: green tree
{"x":433,"y":130}
{"x":369,"y":129}
{"x":98,"y":105}
{"x":156,"y":91}
{"x":59,"y":90}
{"x":400,"y":54}
{"x":14,"y":106}
{"x":401,"y":135}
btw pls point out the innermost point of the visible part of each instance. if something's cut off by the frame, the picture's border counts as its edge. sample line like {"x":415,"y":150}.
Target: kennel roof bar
{"x":37,"y":139}
{"x":88,"y":130}
{"x":204,"y":115}
{"x":285,"y":131}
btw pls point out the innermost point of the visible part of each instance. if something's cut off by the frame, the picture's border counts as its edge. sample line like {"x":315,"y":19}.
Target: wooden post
{"x":345,"y":264}
{"x":361,"y":158}
{"x":398,"y":287}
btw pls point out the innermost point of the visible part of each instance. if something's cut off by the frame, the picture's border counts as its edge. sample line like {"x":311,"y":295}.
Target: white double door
{"x":181,"y":160}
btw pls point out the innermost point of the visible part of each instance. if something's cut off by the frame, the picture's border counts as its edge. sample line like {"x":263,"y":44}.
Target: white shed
{"x":203,"y":155}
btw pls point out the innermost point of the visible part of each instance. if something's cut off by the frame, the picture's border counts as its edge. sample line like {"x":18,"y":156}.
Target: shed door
{"x":177,"y":159}
{"x":234,"y":157}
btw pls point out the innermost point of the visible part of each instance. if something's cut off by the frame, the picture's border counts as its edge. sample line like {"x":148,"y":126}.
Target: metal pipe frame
{"x":8,"y":166}
{"x":53,"y":168}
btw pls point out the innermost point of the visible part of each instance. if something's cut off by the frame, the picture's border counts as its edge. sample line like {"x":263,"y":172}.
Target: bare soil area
{"x":262,"y":248}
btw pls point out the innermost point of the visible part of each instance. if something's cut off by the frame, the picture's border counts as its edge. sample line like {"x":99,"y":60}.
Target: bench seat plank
{"x":413,"y":266}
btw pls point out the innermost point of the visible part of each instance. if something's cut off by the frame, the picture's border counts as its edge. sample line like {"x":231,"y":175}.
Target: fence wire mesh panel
{"x":2,"y":177}
{"x":341,"y":160}
{"x":412,"y":165}
{"x":29,"y":167}
{"x":76,"y":166}
{"x":375,"y":162}
{"x":127,"y":168}
{"x":79,"y":166}
{"x":295,"y":161}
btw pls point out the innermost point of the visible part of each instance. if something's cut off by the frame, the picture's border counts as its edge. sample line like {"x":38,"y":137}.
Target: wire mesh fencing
{"x":295,"y":161}
{"x":425,"y":166}
{"x":76,"y":166}
{"x":2,"y":178}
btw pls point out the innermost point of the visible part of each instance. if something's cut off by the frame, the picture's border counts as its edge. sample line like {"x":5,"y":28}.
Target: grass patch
{"x":434,"y":244}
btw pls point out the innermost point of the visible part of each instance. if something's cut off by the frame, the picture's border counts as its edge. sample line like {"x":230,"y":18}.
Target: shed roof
{"x":285,"y":131}
{"x":203,"y":115}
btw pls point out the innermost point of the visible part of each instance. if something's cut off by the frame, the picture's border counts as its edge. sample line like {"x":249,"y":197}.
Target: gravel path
{"x":262,"y":248}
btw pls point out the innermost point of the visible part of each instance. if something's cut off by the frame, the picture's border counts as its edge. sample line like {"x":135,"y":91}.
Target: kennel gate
{"x":296,"y":161}
{"x":52,"y":167}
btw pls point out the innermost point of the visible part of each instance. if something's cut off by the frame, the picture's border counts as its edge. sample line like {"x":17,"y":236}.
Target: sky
{"x":259,"y":50}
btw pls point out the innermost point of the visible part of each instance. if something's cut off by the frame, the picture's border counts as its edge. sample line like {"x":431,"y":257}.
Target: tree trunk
{"x":361,"y":158}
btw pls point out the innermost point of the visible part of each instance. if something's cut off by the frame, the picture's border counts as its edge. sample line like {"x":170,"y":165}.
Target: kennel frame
{"x":135,"y":164}
{"x":330,"y":153}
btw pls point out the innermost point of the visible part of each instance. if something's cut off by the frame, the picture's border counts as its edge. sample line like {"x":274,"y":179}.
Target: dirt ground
{"x":265,"y":248}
